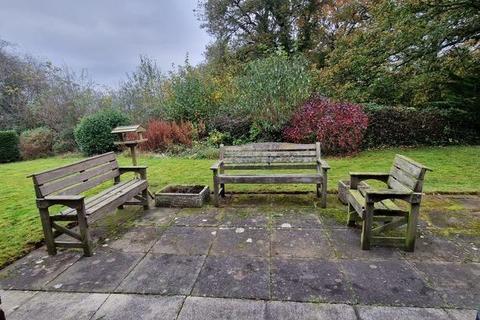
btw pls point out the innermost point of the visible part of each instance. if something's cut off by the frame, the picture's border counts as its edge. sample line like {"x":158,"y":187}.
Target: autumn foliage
{"x":163,"y":134}
{"x":338,"y":126}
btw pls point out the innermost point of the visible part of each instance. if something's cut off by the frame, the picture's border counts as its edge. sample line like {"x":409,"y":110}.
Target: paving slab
{"x":138,"y":239}
{"x":462,"y":314}
{"x":208,"y":217}
{"x":11,"y":300}
{"x":101,"y":272}
{"x":296,"y":218}
{"x":245,"y":217}
{"x":309,"y":281}
{"x":403,"y":313}
{"x":198,"y":308}
{"x":36,"y":269}
{"x":280,"y":310}
{"x":157,"y":216}
{"x":241,"y":242}
{"x":346,"y":243}
{"x":146,"y":307}
{"x":272,"y":201}
{"x":60,"y":305}
{"x":163,"y":274}
{"x":429,"y":247}
{"x":472,"y":245}
{"x":233,"y":277}
{"x":185,"y":241}
{"x":458,"y":284}
{"x":301,"y":243}
{"x":393,"y":283}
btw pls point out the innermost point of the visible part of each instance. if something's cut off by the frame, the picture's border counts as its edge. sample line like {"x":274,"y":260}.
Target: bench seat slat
{"x":92,"y":201}
{"x":388,"y":207}
{"x":116,"y":200}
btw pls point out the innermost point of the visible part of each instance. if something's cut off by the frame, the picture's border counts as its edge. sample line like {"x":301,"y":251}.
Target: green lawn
{"x":456,"y":169}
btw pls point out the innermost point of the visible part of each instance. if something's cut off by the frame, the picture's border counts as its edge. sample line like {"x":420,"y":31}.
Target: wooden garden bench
{"x":266,"y":156}
{"x":368,"y":205}
{"x":64,"y":185}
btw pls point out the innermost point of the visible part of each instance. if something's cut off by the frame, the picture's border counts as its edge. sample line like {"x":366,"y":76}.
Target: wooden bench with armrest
{"x":65,"y":185}
{"x":271,"y":156}
{"x":368,"y":205}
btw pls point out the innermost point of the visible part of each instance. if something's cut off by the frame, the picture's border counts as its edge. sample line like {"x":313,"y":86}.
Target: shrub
{"x":93,"y":135}
{"x":238,"y":128}
{"x":192,"y":95}
{"x":64,"y":142}
{"x":268,"y":92}
{"x":401,"y":126}
{"x":36,"y":143}
{"x":162,"y":135}
{"x":338,"y":126}
{"x":9,"y":150}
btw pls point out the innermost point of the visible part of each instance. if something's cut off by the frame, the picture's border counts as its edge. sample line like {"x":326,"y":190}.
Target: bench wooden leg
{"x":351,"y":219}
{"x":146,"y":205}
{"x":222,"y":190}
{"x":367,"y":226}
{"x":48,"y":231}
{"x":323,"y":202}
{"x":216,"y":190}
{"x":412,"y":227}
{"x":84,"y":232}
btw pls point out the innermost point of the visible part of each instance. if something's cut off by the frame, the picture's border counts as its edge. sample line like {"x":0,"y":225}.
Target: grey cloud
{"x":104,"y":36}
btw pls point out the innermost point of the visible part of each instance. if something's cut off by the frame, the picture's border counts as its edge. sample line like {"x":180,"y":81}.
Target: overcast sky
{"x":104,"y":36}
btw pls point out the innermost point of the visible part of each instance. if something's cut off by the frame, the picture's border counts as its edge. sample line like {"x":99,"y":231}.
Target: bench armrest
{"x":217,"y":165}
{"x":142,"y":170}
{"x":67,"y":200}
{"x":383,"y":194}
{"x":323,"y":164}
{"x":357,"y":177}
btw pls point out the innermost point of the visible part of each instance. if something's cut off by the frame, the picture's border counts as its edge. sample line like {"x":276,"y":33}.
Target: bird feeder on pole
{"x":130,"y":136}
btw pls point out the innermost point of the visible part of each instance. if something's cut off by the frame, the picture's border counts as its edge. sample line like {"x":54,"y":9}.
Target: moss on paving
{"x":456,"y":169}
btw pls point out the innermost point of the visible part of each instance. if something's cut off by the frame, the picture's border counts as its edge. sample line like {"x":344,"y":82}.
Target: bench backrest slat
{"x":406,"y":174}
{"x":77,"y":177}
{"x":270,"y":153}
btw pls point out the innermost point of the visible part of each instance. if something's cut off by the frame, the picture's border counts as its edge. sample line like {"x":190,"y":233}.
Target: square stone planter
{"x":344,"y":186}
{"x":184,"y":196}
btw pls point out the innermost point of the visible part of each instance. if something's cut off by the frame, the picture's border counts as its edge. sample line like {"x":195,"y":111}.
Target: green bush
{"x":401,"y":126}
{"x":192,"y":95}
{"x":36,"y":143}
{"x":269,"y":90}
{"x":64,"y":142}
{"x":9,"y":150}
{"x":93,"y":135}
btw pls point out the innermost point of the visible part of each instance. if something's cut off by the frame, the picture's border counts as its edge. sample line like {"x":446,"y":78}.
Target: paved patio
{"x":258,"y":257}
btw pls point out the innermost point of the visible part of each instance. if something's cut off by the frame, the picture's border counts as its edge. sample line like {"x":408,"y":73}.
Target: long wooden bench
{"x":65,"y":185}
{"x":368,"y":205}
{"x":268,"y":156}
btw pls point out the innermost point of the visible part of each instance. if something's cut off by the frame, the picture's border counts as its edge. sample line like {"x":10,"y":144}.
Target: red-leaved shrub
{"x":163,"y":134}
{"x":338,"y":126}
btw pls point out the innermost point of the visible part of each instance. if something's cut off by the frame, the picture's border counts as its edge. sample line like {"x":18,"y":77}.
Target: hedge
{"x":400,"y":126}
{"x":9,"y":150}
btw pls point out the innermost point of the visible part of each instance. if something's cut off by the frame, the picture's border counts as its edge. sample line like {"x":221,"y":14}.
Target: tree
{"x":412,"y":52}
{"x":256,"y":28}
{"x":142,"y":94}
